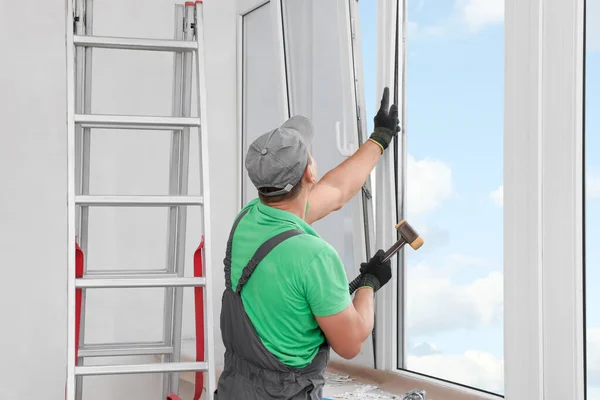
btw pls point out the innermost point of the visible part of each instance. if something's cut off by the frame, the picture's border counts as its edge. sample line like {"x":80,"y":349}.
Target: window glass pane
{"x":262,"y":109}
{"x":368,"y":41}
{"x":320,"y":89}
{"x":321,"y":83}
{"x":454,"y":287}
{"x":592,"y":195}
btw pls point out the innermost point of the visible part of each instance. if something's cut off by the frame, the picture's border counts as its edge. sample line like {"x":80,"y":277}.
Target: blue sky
{"x":455,"y":94}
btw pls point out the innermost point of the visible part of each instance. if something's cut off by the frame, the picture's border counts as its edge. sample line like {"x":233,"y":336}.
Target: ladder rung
{"x":109,"y":42}
{"x":133,"y":273}
{"x":135,"y":122}
{"x":137,"y":201}
{"x":124,"y":349}
{"x":140,"y":369}
{"x":131,"y":282}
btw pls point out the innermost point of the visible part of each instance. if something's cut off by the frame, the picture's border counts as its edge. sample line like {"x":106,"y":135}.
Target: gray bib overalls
{"x":251,"y":372}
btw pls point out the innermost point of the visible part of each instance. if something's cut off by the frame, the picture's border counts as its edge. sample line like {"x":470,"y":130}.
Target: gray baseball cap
{"x":278,"y":158}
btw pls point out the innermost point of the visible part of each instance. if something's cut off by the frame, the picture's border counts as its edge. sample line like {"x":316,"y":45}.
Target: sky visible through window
{"x":455,"y":95}
{"x":592,"y":186}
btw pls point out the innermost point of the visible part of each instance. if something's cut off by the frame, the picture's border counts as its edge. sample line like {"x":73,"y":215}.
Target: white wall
{"x":221,"y":56}
{"x":33,"y":176}
{"x":32,"y":199}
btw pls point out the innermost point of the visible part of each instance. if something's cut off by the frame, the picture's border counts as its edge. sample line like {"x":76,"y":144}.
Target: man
{"x":286,"y":300}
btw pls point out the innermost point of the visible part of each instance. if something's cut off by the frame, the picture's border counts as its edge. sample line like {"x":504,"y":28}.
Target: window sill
{"x":399,"y":382}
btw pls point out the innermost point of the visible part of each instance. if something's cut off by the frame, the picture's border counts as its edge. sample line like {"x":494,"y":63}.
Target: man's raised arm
{"x":340,"y":184}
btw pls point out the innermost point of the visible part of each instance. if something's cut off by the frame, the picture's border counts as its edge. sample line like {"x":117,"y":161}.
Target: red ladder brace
{"x":199,"y":313}
{"x":199,"y":317}
{"x":78,"y":294}
{"x":78,"y":274}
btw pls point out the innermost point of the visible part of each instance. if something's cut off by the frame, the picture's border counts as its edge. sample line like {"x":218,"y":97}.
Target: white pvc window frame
{"x":355,"y":70}
{"x":387,"y":317}
{"x":543,"y":200}
{"x":245,"y":7}
{"x":368,"y":217}
{"x":544,"y":321}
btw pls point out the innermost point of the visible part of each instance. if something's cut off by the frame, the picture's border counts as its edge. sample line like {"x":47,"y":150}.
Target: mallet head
{"x":409,"y":234}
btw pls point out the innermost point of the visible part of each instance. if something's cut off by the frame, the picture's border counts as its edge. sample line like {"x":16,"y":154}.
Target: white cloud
{"x":472,"y":15}
{"x":436,"y":237}
{"x":592,"y":187}
{"x":593,"y":357}
{"x":429,"y":183}
{"x":437,"y":304}
{"x":483,"y":370}
{"x":477,"y":14}
{"x":423,"y":349}
{"x":465,"y":260}
{"x":474,"y":368}
{"x":497,"y":196}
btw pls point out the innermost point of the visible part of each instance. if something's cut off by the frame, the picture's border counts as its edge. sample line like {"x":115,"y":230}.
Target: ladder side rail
{"x":79,"y":65}
{"x":82,"y":62}
{"x":183,"y":190}
{"x":174,"y":178}
{"x":85,"y":25}
{"x":173,"y":182}
{"x":79,"y":96}
{"x":71,"y":187}
{"x":205,"y":190}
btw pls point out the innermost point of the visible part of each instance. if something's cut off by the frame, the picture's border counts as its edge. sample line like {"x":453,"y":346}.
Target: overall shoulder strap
{"x":261,"y":253}
{"x":227,"y":260}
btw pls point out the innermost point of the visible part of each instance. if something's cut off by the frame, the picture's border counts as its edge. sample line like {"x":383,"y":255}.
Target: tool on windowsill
{"x":407,"y":235}
{"x":414,"y":394}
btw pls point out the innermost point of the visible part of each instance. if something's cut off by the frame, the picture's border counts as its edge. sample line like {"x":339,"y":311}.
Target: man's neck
{"x":296,"y":207}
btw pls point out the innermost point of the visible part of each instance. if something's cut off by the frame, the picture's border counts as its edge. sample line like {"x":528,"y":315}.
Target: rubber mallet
{"x":407,"y":235}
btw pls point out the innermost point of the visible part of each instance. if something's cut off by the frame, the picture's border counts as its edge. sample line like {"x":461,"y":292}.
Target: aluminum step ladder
{"x":187,"y":47}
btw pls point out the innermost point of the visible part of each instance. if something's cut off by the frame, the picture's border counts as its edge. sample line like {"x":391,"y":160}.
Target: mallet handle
{"x":394,"y":249}
{"x":354,"y":284}
{"x":386,"y":256}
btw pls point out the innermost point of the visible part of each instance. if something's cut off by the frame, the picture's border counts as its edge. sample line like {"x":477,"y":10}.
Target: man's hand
{"x":375,"y":273}
{"x":387,"y":124}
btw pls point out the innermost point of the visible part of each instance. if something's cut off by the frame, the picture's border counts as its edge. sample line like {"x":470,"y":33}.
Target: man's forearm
{"x":364,"y":305}
{"x":351,"y":175}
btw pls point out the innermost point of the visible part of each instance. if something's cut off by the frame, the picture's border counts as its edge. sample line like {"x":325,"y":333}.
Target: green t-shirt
{"x":300,"y":278}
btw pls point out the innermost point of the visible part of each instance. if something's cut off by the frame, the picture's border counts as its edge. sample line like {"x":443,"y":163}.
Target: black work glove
{"x":386,"y":123}
{"x":375,"y":273}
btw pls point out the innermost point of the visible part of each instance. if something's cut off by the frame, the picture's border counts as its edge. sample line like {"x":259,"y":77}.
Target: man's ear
{"x":310,"y":174}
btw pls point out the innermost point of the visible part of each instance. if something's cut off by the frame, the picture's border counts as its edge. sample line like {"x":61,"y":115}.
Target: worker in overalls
{"x":286,"y":299}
